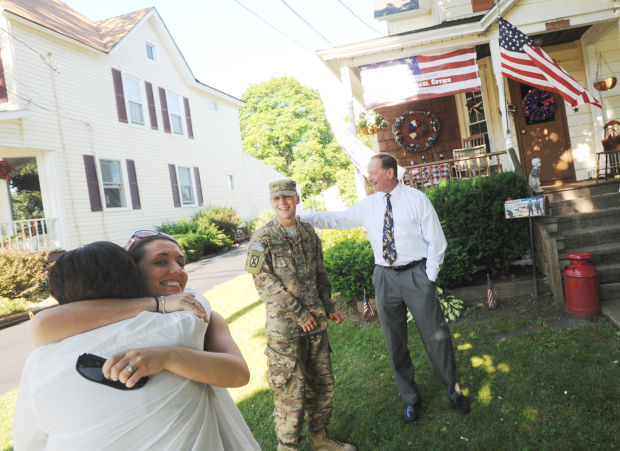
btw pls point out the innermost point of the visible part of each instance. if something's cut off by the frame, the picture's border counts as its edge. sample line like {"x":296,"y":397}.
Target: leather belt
{"x":407,"y":266}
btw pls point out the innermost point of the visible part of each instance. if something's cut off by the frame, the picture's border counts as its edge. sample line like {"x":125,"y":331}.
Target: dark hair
{"x":387,"y":161}
{"x":98,"y":270}
{"x":137,"y":251}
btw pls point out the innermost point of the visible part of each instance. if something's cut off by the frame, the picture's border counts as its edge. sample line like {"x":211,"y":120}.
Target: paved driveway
{"x":16,"y":344}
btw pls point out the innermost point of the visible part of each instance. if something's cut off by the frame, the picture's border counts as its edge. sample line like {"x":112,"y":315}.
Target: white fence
{"x":29,"y":235}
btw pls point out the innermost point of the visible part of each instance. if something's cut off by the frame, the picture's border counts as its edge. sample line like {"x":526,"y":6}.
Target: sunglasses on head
{"x":141,"y":234}
{"x":89,"y":366}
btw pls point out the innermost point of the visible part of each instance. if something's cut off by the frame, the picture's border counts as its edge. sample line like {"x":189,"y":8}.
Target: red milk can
{"x":581,"y":285}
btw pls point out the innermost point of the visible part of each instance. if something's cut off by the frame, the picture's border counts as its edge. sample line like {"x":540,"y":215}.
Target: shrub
{"x":216,"y":239}
{"x":263,"y":218}
{"x":349,"y":265}
{"x":225,"y":218}
{"x":473,"y":219}
{"x":181,"y":227}
{"x":192,"y":245}
{"x":330,"y":237}
{"x":22,"y":273}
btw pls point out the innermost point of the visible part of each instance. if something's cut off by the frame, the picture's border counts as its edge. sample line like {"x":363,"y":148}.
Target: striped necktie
{"x":389,"y":248}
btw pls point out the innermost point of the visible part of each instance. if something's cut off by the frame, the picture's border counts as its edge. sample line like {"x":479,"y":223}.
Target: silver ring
{"x":130,"y":368}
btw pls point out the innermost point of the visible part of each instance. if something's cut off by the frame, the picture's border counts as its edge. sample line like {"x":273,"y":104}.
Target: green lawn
{"x":549,"y":388}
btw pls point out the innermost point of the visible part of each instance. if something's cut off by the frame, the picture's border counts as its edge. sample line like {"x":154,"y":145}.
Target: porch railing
{"x":425,"y":175}
{"x":29,"y":235}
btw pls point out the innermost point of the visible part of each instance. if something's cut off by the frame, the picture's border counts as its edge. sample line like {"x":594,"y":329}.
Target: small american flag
{"x":368,"y":311}
{"x":491,"y":293}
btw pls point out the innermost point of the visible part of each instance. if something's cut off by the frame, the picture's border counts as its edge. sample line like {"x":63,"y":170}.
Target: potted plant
{"x":370,"y":122}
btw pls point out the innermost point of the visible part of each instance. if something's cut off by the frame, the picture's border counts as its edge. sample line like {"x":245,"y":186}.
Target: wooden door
{"x":547,"y":139}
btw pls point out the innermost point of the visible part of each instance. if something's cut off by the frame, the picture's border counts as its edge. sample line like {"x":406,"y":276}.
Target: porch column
{"x":508,"y":128}
{"x":346,"y":75}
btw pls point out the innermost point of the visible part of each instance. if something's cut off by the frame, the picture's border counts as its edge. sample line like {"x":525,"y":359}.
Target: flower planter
{"x":370,"y":130}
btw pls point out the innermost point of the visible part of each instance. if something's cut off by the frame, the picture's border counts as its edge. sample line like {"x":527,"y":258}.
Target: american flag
{"x":524,"y":61}
{"x":420,"y":77}
{"x":368,"y":311}
{"x":492,"y":293}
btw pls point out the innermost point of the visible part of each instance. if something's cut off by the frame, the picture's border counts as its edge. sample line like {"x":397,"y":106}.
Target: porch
{"x":29,"y":235}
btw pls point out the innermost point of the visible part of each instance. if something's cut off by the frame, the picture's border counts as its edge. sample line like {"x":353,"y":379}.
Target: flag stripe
{"x":420,"y":77}
{"x":525,"y":62}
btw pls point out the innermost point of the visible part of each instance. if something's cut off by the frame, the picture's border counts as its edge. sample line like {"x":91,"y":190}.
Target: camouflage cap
{"x":284,"y":187}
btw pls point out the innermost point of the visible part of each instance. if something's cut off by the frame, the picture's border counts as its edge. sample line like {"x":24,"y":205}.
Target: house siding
{"x":72,"y":112}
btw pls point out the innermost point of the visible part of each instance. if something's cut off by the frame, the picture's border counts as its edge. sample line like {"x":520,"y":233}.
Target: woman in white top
{"x":182,"y":405}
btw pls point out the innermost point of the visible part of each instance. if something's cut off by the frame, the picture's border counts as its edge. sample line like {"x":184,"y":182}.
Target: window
{"x":112,"y":180}
{"x":475,"y":113}
{"x":212,"y":105}
{"x":150,"y":51}
{"x":231,"y":182}
{"x":174,"y":109}
{"x":134,"y":101}
{"x":186,"y":186}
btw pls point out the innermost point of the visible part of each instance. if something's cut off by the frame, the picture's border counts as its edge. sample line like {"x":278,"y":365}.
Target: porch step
{"x":585,"y":204}
{"x":602,"y":254}
{"x":562,"y":223}
{"x":608,"y":273}
{"x":584,"y":191}
{"x":609,"y":292}
{"x":590,"y":236}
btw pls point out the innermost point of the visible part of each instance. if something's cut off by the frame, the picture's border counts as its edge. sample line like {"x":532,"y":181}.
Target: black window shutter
{"x":4,"y":96}
{"x":93,"y":183}
{"x":133,"y":185}
{"x":150,"y":100}
{"x":164,"y":109}
{"x":175,"y":185}
{"x":188,"y":118}
{"x":198,"y":185}
{"x":120,"y":95}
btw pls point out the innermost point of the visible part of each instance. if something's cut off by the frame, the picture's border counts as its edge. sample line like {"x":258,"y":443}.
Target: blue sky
{"x":228,"y":48}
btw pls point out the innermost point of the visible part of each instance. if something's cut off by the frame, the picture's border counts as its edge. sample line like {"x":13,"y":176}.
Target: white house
{"x":582,"y":36}
{"x":123,"y":135}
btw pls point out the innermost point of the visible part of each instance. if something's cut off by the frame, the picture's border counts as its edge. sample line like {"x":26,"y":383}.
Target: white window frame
{"x":194,"y":202}
{"x":153,"y":47}
{"x":125,"y":194}
{"x":172,"y":97}
{"x":142,"y":100}
{"x":231,"y":182}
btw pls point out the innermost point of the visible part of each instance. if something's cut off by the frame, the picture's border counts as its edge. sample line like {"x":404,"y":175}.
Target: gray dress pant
{"x":395,"y":291}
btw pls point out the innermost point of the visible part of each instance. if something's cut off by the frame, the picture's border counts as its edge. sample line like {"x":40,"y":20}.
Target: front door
{"x":542,"y":132}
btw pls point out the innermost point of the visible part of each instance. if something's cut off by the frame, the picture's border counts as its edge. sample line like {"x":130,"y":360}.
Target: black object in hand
{"x":89,"y":366}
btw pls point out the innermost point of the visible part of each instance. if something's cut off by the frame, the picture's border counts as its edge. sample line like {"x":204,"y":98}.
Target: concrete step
{"x":561,"y":223}
{"x":602,"y":254}
{"x":582,"y":237}
{"x":611,"y":309}
{"x":608,"y":273}
{"x":581,"y":191}
{"x":609,"y":292}
{"x":585,"y":205}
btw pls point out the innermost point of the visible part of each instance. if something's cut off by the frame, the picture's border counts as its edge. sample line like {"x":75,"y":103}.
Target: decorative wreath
{"x":416,"y":131}
{"x":538,"y":105}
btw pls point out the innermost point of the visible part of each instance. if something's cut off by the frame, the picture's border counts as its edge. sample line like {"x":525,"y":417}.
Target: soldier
{"x":286,"y":261}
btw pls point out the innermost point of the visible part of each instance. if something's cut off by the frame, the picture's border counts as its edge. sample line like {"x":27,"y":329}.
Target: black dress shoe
{"x":411,"y":412}
{"x":461,"y":404}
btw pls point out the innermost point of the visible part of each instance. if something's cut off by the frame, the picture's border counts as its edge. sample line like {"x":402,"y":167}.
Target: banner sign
{"x":523,"y":208}
{"x":419,"y":78}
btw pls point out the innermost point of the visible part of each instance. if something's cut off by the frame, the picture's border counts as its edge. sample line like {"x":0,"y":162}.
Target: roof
{"x":102,"y":35}
{"x":389,"y":7}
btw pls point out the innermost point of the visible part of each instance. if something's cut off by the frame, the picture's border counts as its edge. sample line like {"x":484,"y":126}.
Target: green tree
{"x":283,"y":124}
{"x":26,"y":193}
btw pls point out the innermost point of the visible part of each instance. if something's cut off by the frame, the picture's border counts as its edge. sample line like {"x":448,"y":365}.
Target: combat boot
{"x":321,"y":442}
{"x":286,"y":448}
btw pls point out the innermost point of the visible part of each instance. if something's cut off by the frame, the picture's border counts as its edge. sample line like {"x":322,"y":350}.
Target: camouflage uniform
{"x":290,"y":278}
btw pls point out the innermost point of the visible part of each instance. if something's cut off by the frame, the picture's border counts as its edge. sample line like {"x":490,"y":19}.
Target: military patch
{"x":258,"y":246}
{"x":256,"y":258}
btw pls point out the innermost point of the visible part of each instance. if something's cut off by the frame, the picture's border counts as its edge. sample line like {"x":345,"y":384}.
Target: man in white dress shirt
{"x":409,"y":245}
